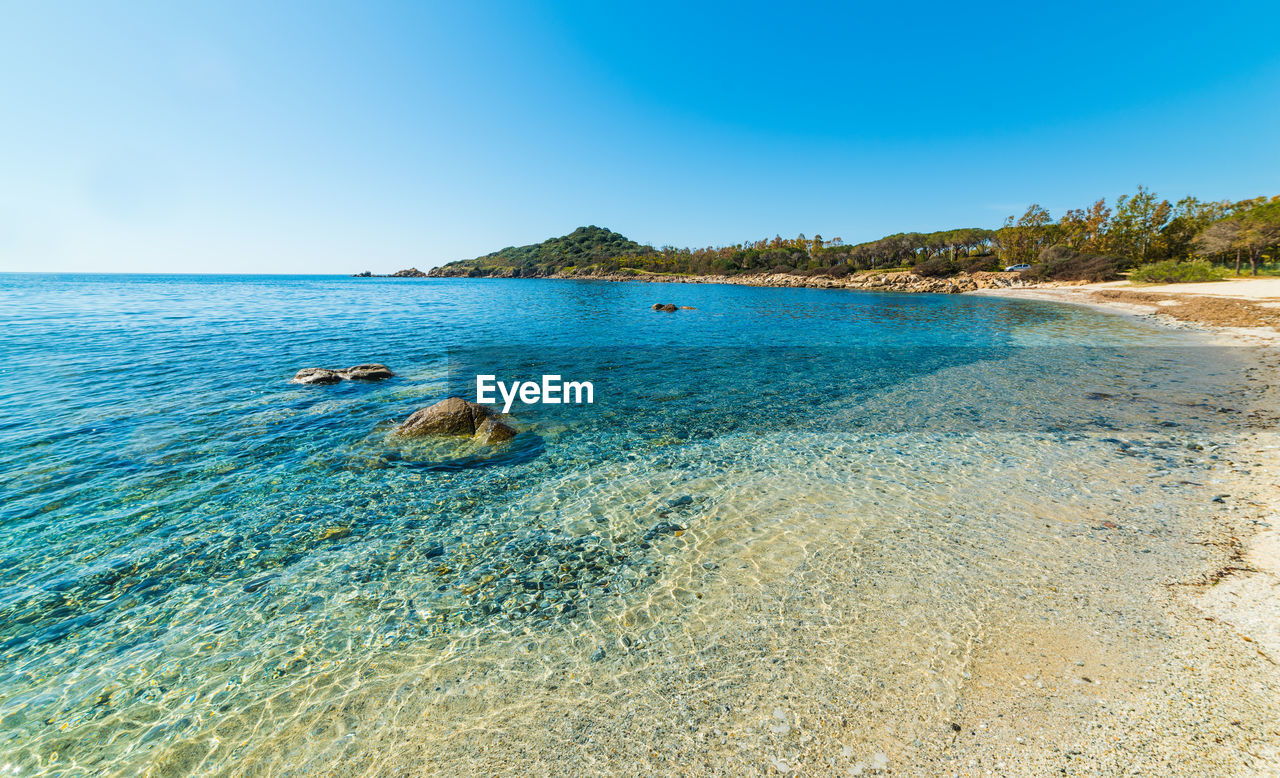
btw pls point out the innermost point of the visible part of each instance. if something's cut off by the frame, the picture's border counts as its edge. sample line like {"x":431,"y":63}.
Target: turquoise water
{"x":200,"y":563}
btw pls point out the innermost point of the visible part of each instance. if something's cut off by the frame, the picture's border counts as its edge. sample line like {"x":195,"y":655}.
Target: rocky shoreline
{"x":888,"y":281}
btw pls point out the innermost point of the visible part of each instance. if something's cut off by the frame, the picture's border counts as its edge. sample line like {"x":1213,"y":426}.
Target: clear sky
{"x":314,"y":137}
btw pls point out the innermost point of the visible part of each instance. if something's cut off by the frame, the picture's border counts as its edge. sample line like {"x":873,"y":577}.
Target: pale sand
{"x":1247,"y":302}
{"x":1267,"y":289}
{"x":1243,"y":598}
{"x":1240,"y":288}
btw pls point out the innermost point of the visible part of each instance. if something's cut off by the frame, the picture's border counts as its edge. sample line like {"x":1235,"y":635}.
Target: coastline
{"x":885,"y":281}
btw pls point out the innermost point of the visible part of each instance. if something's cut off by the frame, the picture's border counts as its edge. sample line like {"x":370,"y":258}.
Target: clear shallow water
{"x":204,"y":568}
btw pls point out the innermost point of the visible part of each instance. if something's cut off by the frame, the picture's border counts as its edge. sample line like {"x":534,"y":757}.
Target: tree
{"x":1190,"y":217}
{"x":1251,"y":230}
{"x":1086,"y":229}
{"x":1021,"y":241}
{"x":1135,"y":228}
{"x":1220,"y":238}
{"x":1259,"y":231}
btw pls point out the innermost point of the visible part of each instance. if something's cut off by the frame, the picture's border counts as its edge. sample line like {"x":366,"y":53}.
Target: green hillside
{"x":585,"y":246}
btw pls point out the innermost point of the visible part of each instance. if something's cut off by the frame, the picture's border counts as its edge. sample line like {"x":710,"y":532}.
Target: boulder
{"x":455,"y":416}
{"x":492,"y":431}
{"x":316,"y":375}
{"x":371,"y":372}
{"x":323,"y":375}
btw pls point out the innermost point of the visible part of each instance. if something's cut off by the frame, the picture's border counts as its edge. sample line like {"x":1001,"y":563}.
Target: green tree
{"x":1135,"y":229}
{"x":1021,"y":241}
{"x":1259,"y":231}
{"x":1251,"y":231}
{"x":1190,"y":217}
{"x":1086,"y":229}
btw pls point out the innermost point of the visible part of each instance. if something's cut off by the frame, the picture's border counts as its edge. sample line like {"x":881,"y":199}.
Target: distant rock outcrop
{"x":455,"y":416}
{"x":412,"y":272}
{"x":323,"y":375}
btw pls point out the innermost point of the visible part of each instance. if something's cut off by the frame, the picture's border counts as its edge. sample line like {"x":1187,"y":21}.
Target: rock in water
{"x":371,"y":372}
{"x":323,"y":375}
{"x":456,"y":416}
{"x":316,"y":375}
{"x":492,"y":431}
{"x":451,"y":416}
{"x":668,"y":307}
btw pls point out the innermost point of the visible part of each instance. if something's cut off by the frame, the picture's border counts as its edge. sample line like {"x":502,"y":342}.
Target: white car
{"x":1016,"y":268}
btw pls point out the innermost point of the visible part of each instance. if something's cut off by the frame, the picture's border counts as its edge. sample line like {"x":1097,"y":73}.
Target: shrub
{"x":1060,"y":263}
{"x":1174,"y":272}
{"x":981,"y":264}
{"x":935,"y":266}
{"x":782,"y":269}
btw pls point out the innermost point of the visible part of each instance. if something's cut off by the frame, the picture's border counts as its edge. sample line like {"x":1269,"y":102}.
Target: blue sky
{"x":315,"y":137}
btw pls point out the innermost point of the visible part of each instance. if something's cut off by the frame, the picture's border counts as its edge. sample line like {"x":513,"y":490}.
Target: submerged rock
{"x":492,"y":431}
{"x":668,"y":307}
{"x":316,"y":375}
{"x":663,"y":528}
{"x":323,"y":375}
{"x":455,"y":416}
{"x":370,"y":372}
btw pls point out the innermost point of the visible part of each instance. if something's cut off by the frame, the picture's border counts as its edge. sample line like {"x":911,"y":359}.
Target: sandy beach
{"x":1238,"y":605}
{"x":1240,"y":310}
